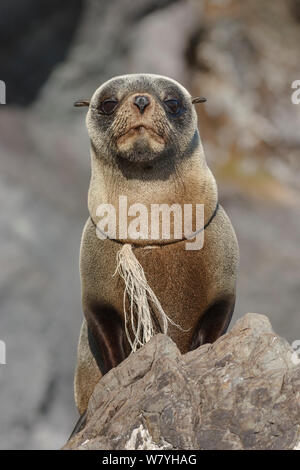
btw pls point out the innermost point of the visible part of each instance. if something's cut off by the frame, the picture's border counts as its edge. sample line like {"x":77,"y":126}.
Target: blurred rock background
{"x":243,"y":56}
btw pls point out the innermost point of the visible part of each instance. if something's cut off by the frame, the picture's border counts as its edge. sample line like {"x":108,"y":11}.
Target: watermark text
{"x":295,"y":97}
{"x":2,"y":92}
{"x":153,"y":222}
{"x":2,"y":352}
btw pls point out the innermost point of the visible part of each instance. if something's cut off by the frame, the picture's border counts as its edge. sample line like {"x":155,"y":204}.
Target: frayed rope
{"x":139,"y":294}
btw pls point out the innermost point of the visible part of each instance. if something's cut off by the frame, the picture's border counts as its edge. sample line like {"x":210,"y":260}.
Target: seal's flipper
{"x":87,"y":373}
{"x":214,"y":322}
{"x":79,"y":425}
{"x":106,"y":335}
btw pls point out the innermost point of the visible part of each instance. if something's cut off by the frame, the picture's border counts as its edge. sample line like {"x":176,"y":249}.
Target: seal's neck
{"x":191,"y":182}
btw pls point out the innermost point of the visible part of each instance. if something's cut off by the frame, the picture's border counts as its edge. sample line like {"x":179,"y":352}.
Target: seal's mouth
{"x":141,"y":131}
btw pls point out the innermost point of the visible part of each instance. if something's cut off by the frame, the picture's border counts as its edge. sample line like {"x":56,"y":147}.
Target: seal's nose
{"x":141,"y":102}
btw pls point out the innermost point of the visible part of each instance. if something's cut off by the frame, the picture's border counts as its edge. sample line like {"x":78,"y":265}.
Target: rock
{"x":108,"y":43}
{"x":34,"y":39}
{"x":242,"y":392}
{"x":242,"y":58}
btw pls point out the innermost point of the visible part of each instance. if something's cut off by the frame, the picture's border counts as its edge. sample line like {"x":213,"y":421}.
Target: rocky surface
{"x":243,"y":59}
{"x":242,"y":392}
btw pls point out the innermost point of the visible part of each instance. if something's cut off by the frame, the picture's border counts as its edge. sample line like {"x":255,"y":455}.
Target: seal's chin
{"x":140,"y":144}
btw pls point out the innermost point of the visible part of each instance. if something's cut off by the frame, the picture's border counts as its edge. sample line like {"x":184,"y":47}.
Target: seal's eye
{"x":172,"y":106}
{"x":108,"y":106}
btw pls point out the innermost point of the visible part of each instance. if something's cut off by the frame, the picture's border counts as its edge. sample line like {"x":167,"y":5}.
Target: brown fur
{"x":195,"y":288}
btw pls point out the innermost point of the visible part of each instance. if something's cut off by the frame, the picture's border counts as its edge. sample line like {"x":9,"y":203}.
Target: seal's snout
{"x":140,"y":127}
{"x":141,"y":101}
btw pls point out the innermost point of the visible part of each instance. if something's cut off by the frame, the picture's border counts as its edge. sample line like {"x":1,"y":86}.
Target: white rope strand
{"x":139,"y":294}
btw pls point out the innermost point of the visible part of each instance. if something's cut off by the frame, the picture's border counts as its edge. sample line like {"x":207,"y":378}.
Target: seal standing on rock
{"x":145,"y":145}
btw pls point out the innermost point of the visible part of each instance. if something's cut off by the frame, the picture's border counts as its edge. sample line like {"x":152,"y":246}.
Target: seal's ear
{"x":198,"y":99}
{"x":82,"y":103}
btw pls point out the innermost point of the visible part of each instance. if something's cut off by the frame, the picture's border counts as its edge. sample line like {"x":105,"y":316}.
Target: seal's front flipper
{"x":214,"y":322}
{"x":87,"y":373}
{"x":106,"y":336}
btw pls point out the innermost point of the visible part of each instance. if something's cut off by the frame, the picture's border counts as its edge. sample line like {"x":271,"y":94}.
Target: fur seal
{"x":145,"y":145}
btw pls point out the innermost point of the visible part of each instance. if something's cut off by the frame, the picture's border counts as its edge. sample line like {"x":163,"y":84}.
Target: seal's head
{"x":141,"y":118}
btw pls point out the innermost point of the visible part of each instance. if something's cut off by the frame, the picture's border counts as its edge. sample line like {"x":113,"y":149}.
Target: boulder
{"x":242,"y":392}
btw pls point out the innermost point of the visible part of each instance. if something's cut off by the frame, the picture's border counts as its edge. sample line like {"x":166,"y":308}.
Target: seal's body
{"x":145,"y":145}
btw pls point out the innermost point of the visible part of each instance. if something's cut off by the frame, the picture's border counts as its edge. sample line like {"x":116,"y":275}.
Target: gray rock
{"x":107,"y":43}
{"x":242,"y":392}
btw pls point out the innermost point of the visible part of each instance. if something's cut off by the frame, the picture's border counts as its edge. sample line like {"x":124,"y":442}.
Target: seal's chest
{"x":140,"y":304}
